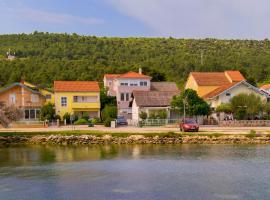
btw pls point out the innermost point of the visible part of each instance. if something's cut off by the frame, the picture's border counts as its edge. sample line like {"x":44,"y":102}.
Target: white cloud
{"x":201,"y":18}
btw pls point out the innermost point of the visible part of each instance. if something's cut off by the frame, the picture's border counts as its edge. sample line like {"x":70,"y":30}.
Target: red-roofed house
{"x":77,"y":98}
{"x":220,"y":87}
{"x":122,"y":86}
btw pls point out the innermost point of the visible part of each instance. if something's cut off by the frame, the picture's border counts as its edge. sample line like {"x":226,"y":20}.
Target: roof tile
{"x":76,"y":86}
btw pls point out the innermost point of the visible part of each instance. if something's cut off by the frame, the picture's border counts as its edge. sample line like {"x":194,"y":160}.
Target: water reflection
{"x":135,"y":172}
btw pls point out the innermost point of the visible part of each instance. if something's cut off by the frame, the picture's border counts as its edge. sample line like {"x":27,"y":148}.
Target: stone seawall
{"x":134,"y":139}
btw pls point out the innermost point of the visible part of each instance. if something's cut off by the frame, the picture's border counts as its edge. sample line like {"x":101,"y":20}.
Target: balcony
{"x":81,"y":105}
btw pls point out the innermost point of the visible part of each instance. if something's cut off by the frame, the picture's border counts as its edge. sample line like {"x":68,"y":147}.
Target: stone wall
{"x":245,"y":123}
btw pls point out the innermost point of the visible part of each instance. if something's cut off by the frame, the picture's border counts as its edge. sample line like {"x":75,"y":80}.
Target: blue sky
{"x":243,"y":19}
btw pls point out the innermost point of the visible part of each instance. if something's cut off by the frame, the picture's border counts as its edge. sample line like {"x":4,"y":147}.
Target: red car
{"x":189,"y":124}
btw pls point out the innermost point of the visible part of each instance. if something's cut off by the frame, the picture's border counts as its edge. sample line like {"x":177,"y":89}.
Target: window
{"x":127,"y":96}
{"x":228,"y":94}
{"x":12,"y":98}
{"x":31,"y":114}
{"x":143,"y":83}
{"x":133,"y":84}
{"x":85,"y":99}
{"x":63,"y":101}
{"x":124,"y":84}
{"x":122,"y":97}
{"x":48,"y":96}
{"x":34,"y":98}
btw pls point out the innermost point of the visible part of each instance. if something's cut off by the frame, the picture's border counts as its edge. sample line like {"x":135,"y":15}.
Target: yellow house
{"x":77,"y":98}
{"x":220,"y":87}
{"x":49,"y":95}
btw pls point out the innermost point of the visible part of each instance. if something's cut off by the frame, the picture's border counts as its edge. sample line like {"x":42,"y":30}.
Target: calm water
{"x":127,"y":172}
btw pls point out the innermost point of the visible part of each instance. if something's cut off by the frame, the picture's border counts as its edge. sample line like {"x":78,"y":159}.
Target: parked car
{"x":121,"y":120}
{"x":189,"y":125}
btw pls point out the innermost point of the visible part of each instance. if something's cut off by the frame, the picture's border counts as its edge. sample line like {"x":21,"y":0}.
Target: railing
{"x":245,"y":123}
{"x":158,"y":122}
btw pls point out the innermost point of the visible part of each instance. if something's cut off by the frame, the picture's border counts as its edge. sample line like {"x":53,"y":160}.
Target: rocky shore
{"x":135,"y":139}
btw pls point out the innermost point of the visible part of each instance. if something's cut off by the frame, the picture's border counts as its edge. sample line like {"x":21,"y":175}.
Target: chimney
{"x":140,"y":70}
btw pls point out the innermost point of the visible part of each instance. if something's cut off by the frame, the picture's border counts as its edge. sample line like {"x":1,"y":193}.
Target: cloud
{"x":18,"y":11}
{"x":200,"y":18}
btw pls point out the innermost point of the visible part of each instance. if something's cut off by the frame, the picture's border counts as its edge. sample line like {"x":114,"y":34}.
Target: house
{"x":158,"y":98}
{"x":220,"y":87}
{"x":78,"y":98}
{"x":27,"y":97}
{"x":265,"y":88}
{"x":122,"y":86}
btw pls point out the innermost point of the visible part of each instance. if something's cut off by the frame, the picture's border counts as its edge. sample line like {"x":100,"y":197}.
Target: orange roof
{"x":219,"y":90}
{"x":111,"y":75}
{"x":76,"y":86}
{"x":134,"y":75}
{"x":235,"y":76}
{"x":217,"y":78}
{"x":265,"y":87}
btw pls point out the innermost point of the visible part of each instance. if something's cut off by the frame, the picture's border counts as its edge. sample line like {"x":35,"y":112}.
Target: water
{"x":133,"y":172}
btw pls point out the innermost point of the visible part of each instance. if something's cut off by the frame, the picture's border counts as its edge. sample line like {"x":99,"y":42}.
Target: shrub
{"x":143,"y":115}
{"x":162,"y":114}
{"x":85,"y":116}
{"x":109,"y":112}
{"x":67,"y":117}
{"x":81,"y":122}
{"x":47,"y":112}
{"x":96,"y":120}
{"x":107,"y":122}
{"x":152,"y":116}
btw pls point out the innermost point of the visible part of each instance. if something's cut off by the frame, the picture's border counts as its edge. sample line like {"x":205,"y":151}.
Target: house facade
{"x":122,"y":86}
{"x":27,"y":97}
{"x":219,"y":87}
{"x":78,"y":98}
{"x":157,"y":99}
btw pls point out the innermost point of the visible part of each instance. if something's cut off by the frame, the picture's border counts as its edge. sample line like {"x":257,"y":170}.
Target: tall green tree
{"x":194,"y":105}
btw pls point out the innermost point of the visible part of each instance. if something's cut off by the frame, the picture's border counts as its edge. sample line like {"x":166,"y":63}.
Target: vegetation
{"x":105,"y":99}
{"x":109,"y":112}
{"x":81,"y":121}
{"x":224,"y":107}
{"x":9,"y":114}
{"x":43,"y":57}
{"x":67,"y":118}
{"x":143,"y":115}
{"x":47,"y":112}
{"x":194,"y":105}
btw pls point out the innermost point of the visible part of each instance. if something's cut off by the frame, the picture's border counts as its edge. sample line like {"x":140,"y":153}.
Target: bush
{"x":143,"y":115}
{"x":107,"y":122}
{"x":162,"y":114}
{"x":47,"y":112}
{"x":109,"y":112}
{"x":67,"y":117}
{"x":96,"y":120}
{"x":85,"y":116}
{"x":81,"y":122}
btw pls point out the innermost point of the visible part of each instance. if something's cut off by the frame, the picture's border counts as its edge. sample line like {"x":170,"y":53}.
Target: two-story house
{"x":78,"y":98}
{"x":220,"y":87}
{"x":123,"y":85}
{"x":27,"y":97}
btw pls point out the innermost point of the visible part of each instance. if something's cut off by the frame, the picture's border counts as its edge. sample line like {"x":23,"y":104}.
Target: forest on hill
{"x":42,"y":58}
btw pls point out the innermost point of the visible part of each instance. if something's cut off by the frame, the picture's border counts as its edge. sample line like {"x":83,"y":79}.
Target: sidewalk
{"x":131,"y":129}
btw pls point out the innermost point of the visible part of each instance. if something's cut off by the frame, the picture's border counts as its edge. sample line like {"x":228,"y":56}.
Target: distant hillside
{"x":44,"y":57}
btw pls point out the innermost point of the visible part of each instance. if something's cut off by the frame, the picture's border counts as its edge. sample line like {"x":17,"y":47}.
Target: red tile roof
{"x":217,"y":78}
{"x":265,"y":87}
{"x":134,"y":75}
{"x":76,"y":86}
{"x":219,"y":90}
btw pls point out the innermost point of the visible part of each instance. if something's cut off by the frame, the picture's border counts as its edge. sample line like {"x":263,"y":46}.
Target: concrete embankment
{"x":135,"y":139}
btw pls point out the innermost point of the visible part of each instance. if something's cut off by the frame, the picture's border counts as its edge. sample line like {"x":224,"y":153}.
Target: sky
{"x":224,"y":19}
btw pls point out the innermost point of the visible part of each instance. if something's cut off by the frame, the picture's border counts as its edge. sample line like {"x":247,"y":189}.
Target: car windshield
{"x":190,"y":121}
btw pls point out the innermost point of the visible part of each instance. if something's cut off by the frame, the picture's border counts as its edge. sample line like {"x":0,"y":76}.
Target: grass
{"x":113,"y":134}
{"x":251,"y":134}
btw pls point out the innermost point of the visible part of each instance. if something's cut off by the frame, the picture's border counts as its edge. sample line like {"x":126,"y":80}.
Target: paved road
{"x":130,"y":129}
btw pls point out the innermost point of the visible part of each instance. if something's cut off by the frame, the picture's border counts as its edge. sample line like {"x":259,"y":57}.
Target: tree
{"x":143,"y":115}
{"x":47,"y":112}
{"x":224,"y":107}
{"x":246,"y":106}
{"x":9,"y":114}
{"x":105,"y":99}
{"x":193,"y":104}
{"x":109,"y":112}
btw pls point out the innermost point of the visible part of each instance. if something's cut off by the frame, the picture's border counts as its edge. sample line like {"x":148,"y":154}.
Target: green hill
{"x":44,"y":57}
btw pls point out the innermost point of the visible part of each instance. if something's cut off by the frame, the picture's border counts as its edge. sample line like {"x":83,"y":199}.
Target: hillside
{"x":44,"y":57}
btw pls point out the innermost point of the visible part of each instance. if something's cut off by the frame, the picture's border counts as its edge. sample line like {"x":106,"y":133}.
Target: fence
{"x":245,"y":123}
{"x":158,"y":122}
{"x":28,"y":124}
